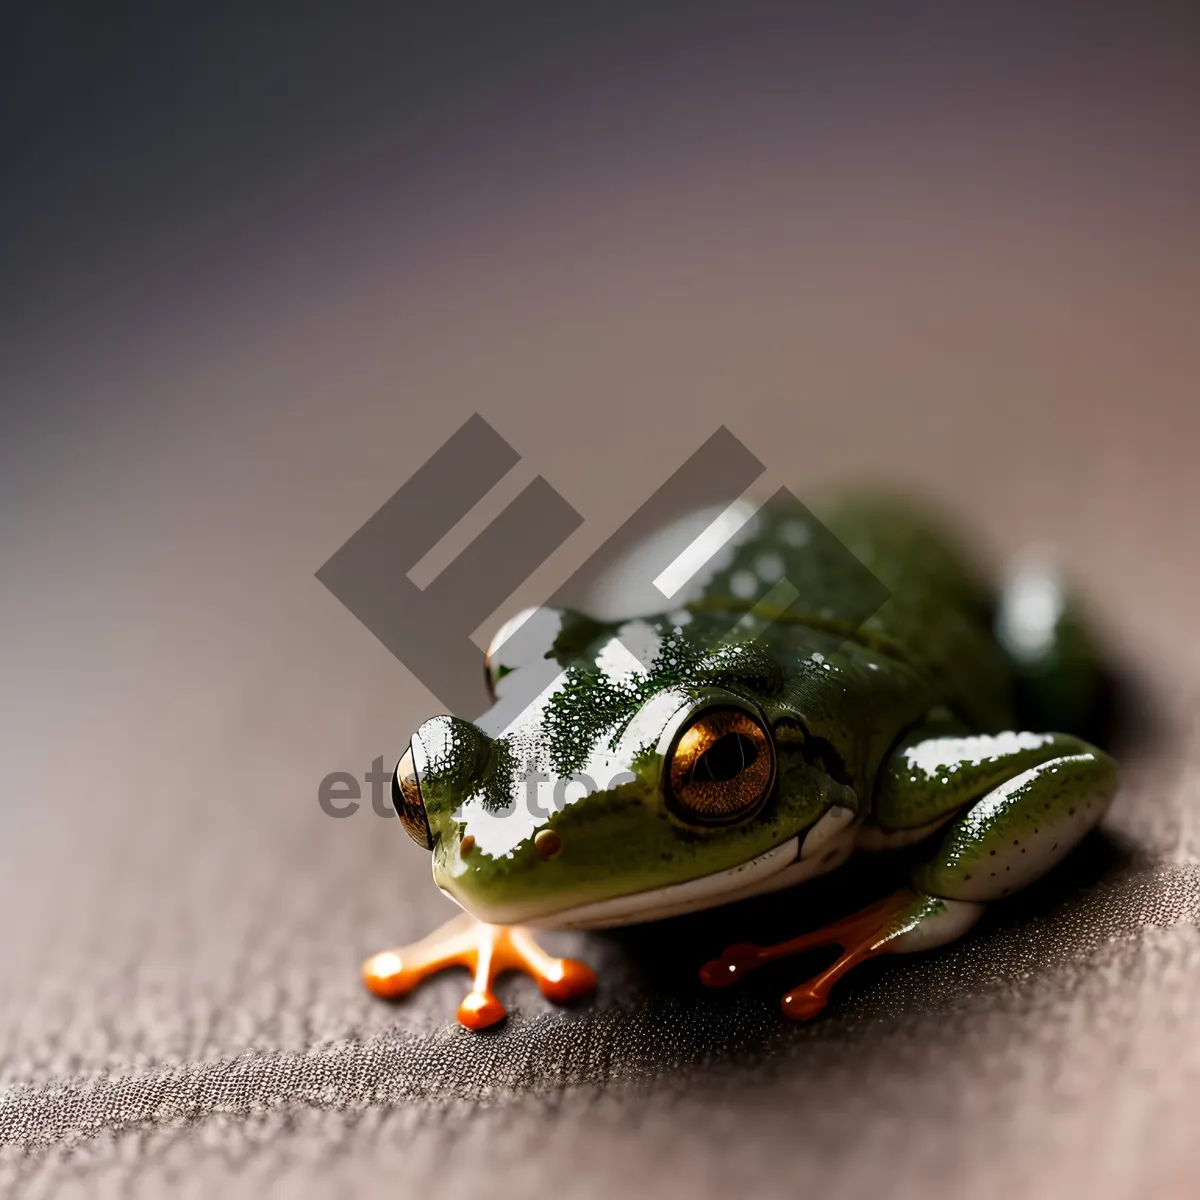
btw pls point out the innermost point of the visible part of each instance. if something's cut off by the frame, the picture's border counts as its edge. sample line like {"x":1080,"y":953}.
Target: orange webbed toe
{"x":486,"y":951}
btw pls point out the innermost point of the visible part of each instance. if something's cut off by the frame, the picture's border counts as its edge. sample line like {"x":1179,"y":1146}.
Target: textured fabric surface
{"x":1033,"y":1053}
{"x":181,"y":1010}
{"x":940,"y":257}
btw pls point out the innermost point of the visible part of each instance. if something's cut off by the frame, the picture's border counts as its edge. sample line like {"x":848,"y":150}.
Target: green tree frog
{"x":673,"y":761}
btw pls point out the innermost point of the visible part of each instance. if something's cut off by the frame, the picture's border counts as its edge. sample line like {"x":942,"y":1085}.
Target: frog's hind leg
{"x":486,"y":951}
{"x":906,"y":920}
{"x":1015,"y":832}
{"x":1021,"y":829}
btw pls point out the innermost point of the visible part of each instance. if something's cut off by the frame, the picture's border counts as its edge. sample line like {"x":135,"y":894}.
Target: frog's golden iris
{"x":406,"y":798}
{"x":721,"y":768}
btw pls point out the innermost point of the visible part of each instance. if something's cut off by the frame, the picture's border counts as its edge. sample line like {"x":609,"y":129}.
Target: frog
{"x":833,"y":683}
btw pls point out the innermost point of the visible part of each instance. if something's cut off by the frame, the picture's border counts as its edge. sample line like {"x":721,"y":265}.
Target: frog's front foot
{"x":486,"y":951}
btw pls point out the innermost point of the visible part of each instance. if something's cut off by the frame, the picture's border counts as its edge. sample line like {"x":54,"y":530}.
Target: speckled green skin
{"x":1021,"y":828}
{"x":848,"y":686}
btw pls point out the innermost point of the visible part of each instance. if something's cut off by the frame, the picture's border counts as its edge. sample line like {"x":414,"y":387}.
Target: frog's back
{"x":939,"y":609}
{"x":904,"y":585}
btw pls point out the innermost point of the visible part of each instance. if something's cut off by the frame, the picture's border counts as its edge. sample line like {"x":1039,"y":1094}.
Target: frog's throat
{"x":783,"y":866}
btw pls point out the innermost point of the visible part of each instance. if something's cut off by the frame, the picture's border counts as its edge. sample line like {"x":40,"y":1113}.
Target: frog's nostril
{"x":406,"y":797}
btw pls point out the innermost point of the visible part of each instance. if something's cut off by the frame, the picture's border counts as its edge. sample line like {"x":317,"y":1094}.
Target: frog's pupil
{"x":725,"y":759}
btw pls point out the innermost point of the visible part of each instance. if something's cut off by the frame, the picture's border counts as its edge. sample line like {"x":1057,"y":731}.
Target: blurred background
{"x":257,"y":263}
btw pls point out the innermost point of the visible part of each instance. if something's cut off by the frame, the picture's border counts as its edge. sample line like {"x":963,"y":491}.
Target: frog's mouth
{"x":821,"y":848}
{"x":776,"y":868}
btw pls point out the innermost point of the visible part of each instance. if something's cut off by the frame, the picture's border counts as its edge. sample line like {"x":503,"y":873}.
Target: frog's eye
{"x":406,"y":799}
{"x":721,"y":768}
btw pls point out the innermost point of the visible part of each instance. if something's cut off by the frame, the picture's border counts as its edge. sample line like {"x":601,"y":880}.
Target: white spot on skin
{"x":794,"y":533}
{"x":937,"y":754}
{"x":769,"y":567}
{"x":744,"y":585}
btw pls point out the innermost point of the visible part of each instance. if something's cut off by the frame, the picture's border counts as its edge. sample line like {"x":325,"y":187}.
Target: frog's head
{"x":626,"y":772}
